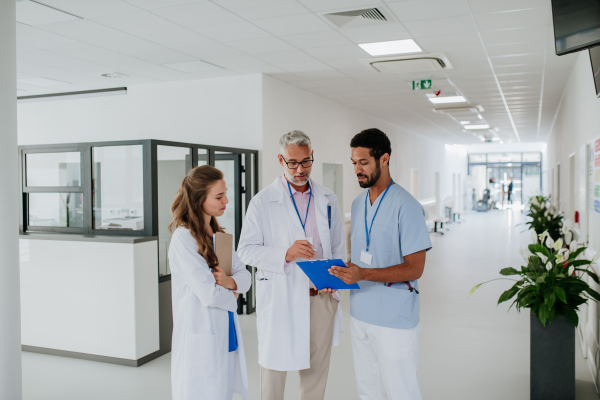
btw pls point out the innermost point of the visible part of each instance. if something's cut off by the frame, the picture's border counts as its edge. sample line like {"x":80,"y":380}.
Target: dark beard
{"x":371,"y":180}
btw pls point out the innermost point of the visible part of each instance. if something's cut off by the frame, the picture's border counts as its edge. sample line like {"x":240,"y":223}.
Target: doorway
{"x":333,"y":179}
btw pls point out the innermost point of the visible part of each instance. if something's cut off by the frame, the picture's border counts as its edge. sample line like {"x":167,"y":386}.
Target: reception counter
{"x":93,"y":297}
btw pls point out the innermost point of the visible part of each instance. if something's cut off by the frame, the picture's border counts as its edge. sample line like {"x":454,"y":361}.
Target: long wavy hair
{"x":187,"y":212}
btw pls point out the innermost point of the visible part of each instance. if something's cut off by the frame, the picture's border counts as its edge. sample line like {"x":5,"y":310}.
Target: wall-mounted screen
{"x":576,"y":25}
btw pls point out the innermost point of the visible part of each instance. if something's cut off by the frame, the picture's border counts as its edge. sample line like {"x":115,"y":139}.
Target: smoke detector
{"x":113,"y":75}
{"x":409,"y":64}
{"x":358,"y":18}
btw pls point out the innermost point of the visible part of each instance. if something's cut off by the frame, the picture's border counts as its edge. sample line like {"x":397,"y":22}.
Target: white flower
{"x":548,"y":266}
{"x":568,"y":237}
{"x":543,"y":204}
{"x":546,"y":213}
{"x":542,"y":257}
{"x":521,"y":251}
{"x":549,"y":218}
{"x":534,"y":237}
{"x":558,"y":244}
{"x":571,"y":270}
{"x":549,"y":242}
{"x":560,"y":258}
{"x":595,"y":258}
{"x":566,"y":225}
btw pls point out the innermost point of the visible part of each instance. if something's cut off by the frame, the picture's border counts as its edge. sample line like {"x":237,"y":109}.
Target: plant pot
{"x":552,"y":360}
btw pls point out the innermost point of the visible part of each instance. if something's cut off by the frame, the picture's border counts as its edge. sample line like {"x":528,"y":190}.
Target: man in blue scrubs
{"x":389,"y":241}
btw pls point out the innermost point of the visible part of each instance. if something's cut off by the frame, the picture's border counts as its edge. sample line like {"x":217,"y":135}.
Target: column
{"x":10,"y":320}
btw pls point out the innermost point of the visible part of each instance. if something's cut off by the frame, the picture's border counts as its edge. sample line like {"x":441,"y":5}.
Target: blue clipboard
{"x":317,"y":272}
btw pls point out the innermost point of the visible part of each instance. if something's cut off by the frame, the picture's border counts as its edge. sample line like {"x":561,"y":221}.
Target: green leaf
{"x":578,"y":263}
{"x":474,"y":289}
{"x":560,"y":293}
{"x":571,"y":315}
{"x":539,"y":248}
{"x":593,"y":293}
{"x":576,"y":253}
{"x":543,"y":314}
{"x":592,"y":274}
{"x":509,"y":271}
{"x":549,"y":298}
{"x":509,"y":294}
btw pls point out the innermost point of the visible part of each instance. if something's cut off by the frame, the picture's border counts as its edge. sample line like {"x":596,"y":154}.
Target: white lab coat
{"x":271,"y":226}
{"x":200,"y":352}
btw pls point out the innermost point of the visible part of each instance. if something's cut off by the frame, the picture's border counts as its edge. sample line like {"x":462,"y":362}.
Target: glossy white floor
{"x":470,"y":349}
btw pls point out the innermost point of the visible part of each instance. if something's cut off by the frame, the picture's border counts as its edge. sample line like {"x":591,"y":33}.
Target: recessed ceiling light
{"x":43,"y":82}
{"x":465,"y":122}
{"x":477,"y":127}
{"x":479,"y":116}
{"x":392,"y":47}
{"x":447,"y":99}
{"x":114,"y":75}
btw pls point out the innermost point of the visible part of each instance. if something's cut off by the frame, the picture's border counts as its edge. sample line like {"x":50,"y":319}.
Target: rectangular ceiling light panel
{"x":447,"y":99}
{"x":391,"y":47}
{"x":35,"y":14}
{"x":477,"y":127}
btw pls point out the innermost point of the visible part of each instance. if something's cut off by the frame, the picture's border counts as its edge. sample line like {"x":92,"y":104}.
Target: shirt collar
{"x":284,"y":182}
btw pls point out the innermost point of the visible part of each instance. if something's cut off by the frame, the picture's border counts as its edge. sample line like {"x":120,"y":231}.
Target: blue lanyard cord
{"x":296,"y":207}
{"x":367,"y":229}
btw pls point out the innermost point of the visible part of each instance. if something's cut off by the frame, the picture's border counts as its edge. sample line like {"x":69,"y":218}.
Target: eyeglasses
{"x":294,"y":164}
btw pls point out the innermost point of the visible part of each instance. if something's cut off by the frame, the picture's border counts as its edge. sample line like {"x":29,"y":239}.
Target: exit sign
{"x":422,"y":84}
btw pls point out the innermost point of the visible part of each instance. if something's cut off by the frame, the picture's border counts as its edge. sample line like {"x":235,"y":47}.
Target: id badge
{"x":366,"y":257}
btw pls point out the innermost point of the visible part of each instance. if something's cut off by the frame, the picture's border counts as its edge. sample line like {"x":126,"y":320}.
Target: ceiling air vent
{"x":355,"y":18}
{"x":409,"y":64}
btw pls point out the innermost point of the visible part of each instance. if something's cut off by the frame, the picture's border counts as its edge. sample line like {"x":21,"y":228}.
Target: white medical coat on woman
{"x":200,"y":351}
{"x":270,"y":228}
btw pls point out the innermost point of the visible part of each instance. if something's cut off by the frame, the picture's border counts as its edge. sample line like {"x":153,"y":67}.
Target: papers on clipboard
{"x":318,"y":273}
{"x":223,"y":245}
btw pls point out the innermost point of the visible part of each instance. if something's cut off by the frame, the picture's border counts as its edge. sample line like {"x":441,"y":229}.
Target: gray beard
{"x":294,"y":180}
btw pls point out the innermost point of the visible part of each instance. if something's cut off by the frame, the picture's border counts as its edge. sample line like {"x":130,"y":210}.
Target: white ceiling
{"x":502,"y":53}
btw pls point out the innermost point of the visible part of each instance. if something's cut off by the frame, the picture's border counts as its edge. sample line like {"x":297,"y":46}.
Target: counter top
{"x":87,"y":238}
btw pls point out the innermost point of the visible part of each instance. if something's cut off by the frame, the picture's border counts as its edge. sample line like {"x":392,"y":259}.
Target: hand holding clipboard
{"x":318,"y":272}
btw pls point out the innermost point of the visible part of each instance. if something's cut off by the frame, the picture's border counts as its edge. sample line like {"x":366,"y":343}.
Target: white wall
{"x":331,"y":126}
{"x":577,"y":123}
{"x":217,"y":111}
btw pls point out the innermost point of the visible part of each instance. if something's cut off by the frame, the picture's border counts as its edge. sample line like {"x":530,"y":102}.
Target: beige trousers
{"x":313,"y":380}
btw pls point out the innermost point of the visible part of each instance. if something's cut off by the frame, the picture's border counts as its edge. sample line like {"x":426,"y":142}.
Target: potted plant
{"x":550,"y":285}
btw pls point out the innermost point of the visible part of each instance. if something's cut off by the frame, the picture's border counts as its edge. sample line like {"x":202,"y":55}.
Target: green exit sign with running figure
{"x":422,"y":84}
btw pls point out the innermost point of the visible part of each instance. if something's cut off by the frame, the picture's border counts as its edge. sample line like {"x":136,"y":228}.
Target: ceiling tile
{"x":327,"y":53}
{"x":513,"y":19}
{"x":316,"y":39}
{"x":137,"y":22}
{"x":258,"y":9}
{"x":293,"y":24}
{"x":161,"y":56}
{"x":519,"y":35}
{"x":516,"y":48}
{"x":236,"y":61}
{"x":441,"y":26}
{"x":369,"y":34}
{"x":87,"y":31}
{"x":242,"y":30}
{"x":176,"y":39}
{"x":262,"y":45}
{"x":39,"y":38}
{"x":488,"y":6}
{"x":150,"y":4}
{"x":212,"y":49}
{"x":197,"y":15}
{"x":259,"y":69}
{"x":446,"y":42}
{"x":520,"y":59}
{"x":337,"y":5}
{"x":92,"y":8}
{"x":284,"y":57}
{"x":192,"y":66}
{"x":407,"y":11}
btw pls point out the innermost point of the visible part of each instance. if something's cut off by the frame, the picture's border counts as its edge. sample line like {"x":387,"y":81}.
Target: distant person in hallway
{"x":510,"y":190}
{"x":207,"y":357}
{"x":389,"y":241}
{"x":293,"y":219}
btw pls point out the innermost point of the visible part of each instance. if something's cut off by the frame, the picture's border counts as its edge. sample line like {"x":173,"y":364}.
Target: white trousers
{"x":385,"y":361}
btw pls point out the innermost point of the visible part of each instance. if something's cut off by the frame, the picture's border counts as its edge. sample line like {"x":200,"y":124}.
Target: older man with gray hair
{"x":293,"y":219}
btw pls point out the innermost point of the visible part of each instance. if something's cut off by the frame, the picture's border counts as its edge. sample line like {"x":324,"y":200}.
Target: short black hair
{"x":373,"y":139}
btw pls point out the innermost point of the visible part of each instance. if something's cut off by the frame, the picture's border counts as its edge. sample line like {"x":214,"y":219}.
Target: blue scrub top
{"x":398,"y":230}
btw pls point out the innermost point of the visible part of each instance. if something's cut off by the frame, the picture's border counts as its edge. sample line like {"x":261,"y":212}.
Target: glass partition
{"x":53,"y":169}
{"x":228,"y":163}
{"x":503,"y":157}
{"x":56,"y":209}
{"x":477,"y":158}
{"x":532,"y":157}
{"x":172,"y":165}
{"x":118,"y":187}
{"x":202,"y":157}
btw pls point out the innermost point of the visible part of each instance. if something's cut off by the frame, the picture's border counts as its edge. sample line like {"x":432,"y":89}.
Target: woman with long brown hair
{"x":207,"y":360}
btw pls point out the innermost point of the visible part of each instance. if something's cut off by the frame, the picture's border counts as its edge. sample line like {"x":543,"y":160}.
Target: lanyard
{"x":368,"y":230}
{"x":296,"y":207}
